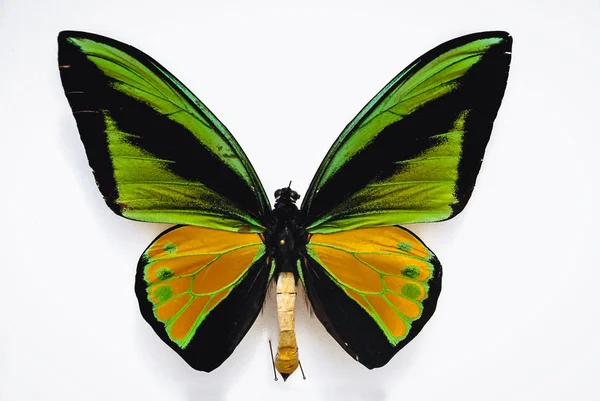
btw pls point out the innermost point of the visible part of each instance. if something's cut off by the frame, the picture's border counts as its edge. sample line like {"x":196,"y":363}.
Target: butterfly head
{"x":286,"y":195}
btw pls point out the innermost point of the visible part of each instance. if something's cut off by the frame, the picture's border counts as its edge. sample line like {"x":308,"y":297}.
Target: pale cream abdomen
{"x":286,"y":360}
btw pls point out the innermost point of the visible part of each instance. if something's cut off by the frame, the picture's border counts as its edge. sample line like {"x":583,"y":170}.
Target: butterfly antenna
{"x":273,"y":362}
{"x":290,"y":185}
{"x":301,"y":370}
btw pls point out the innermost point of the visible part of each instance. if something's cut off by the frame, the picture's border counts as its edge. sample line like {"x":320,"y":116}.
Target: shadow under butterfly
{"x":411,"y":155}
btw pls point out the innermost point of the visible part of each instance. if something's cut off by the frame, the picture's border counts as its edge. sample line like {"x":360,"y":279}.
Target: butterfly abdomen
{"x":286,"y":360}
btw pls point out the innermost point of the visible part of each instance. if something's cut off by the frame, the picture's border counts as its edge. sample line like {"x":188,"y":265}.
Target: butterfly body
{"x":285,"y":240}
{"x":411,"y":155}
{"x":284,"y":237}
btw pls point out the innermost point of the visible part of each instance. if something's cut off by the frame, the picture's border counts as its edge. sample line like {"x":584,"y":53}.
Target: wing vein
{"x":389,"y":184}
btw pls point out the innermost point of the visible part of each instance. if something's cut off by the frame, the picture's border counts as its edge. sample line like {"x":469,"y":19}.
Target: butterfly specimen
{"x":411,"y":155}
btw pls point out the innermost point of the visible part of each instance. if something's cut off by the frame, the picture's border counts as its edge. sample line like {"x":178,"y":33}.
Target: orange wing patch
{"x":386,"y":270}
{"x":189,"y":270}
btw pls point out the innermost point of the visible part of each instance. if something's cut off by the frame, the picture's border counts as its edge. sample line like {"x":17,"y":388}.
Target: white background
{"x":518,"y":314}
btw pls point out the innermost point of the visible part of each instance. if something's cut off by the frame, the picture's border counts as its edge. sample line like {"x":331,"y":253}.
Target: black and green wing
{"x":413,"y":153}
{"x":157,"y":152}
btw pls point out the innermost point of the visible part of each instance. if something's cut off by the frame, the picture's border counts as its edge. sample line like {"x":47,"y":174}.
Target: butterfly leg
{"x":301,"y":370}
{"x":273,"y":361}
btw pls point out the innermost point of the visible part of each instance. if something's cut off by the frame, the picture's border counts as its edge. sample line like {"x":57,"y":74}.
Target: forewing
{"x":414,"y":152}
{"x":372,"y":288}
{"x":157,"y":152}
{"x":201,"y":289}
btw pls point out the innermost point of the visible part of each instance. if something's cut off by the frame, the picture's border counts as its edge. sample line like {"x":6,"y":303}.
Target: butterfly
{"x":411,"y":155}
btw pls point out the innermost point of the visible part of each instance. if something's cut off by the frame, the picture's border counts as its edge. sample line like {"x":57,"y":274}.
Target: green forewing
{"x":414,"y":152}
{"x":157,"y":152}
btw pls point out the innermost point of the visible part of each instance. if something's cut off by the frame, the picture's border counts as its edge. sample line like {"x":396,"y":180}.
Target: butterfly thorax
{"x":284,"y":238}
